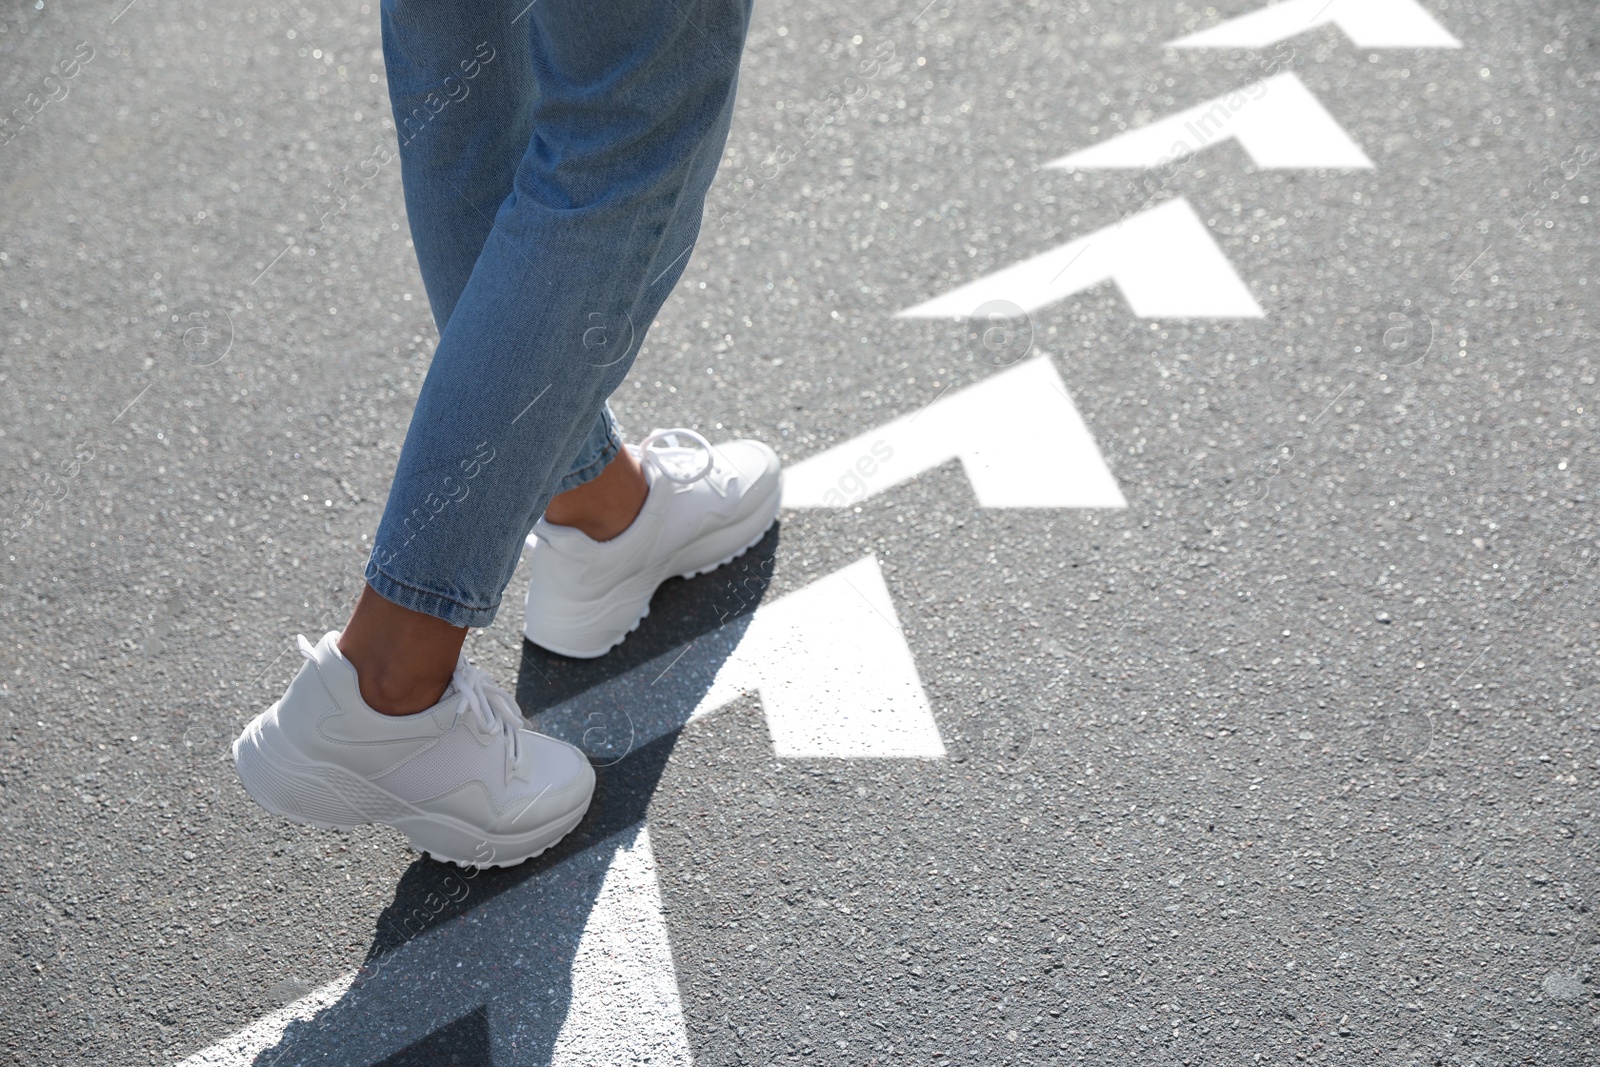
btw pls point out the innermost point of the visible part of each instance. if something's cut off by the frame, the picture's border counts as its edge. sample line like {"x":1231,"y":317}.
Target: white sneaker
{"x":464,"y":779}
{"x":706,"y":505}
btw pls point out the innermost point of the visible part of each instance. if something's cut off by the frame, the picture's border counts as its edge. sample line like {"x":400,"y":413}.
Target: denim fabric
{"x":555,"y":157}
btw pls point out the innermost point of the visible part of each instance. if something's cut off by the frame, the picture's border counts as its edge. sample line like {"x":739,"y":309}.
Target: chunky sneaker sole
{"x":586,"y":597}
{"x":329,"y":797}
{"x":465,"y":781}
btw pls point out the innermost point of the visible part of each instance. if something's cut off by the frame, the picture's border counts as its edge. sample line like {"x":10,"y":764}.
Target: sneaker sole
{"x":593,"y":652}
{"x":329,"y":797}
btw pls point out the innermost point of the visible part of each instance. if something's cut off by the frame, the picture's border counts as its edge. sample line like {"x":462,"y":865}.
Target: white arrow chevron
{"x":835,"y":676}
{"x":1018,"y":435}
{"x":572,"y":967}
{"x":624,"y":986}
{"x":1368,"y":23}
{"x":1278,"y":122}
{"x":1163,"y":260}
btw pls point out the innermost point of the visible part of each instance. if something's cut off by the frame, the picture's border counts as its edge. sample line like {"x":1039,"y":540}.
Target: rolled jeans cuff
{"x":453,"y":610}
{"x":599,"y":449}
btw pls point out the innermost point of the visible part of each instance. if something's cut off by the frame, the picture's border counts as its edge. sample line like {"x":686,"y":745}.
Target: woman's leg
{"x":462,"y":90}
{"x":463,"y":98}
{"x":627,"y":120}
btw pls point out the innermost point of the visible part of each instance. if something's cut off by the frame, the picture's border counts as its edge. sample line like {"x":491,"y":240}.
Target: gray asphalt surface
{"x":1293,"y":759}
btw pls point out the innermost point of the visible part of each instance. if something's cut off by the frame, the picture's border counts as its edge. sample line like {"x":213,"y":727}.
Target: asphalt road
{"x":1292,"y":758}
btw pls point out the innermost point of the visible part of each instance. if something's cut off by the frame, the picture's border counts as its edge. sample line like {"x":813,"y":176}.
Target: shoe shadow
{"x":473,"y":967}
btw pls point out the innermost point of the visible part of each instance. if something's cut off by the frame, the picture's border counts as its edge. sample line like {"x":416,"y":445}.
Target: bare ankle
{"x":403,"y":659}
{"x":391,"y":693}
{"x":607,"y":505}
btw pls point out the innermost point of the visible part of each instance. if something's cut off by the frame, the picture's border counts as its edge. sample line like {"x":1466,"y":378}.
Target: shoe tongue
{"x":680,"y":464}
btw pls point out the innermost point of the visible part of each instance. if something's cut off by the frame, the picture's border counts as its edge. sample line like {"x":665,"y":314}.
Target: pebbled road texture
{"x":1293,"y":759}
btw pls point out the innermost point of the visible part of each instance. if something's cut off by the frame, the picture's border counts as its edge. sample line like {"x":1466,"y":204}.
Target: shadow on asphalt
{"x":470,"y":967}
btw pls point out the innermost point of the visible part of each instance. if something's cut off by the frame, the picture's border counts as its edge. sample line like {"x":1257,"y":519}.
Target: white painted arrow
{"x":1278,"y":122}
{"x":624,"y":986}
{"x":1017,"y":435}
{"x":1368,"y":23}
{"x":831,"y":665}
{"x":1163,"y":260}
{"x":241,"y":1049}
{"x":574,"y":966}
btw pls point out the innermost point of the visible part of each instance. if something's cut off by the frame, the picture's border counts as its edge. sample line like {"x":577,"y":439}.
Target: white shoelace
{"x":672,"y":471}
{"x":494,"y":708}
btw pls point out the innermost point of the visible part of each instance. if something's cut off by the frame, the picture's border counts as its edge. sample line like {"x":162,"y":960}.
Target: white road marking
{"x":242,"y":1048}
{"x":1278,"y":122}
{"x":1018,"y":435}
{"x":1163,"y":260}
{"x":833,"y":670}
{"x":1368,"y":24}
{"x":576,"y":962}
{"x":624,"y":986}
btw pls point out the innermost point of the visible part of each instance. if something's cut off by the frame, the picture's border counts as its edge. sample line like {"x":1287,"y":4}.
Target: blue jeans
{"x":555,"y":156}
